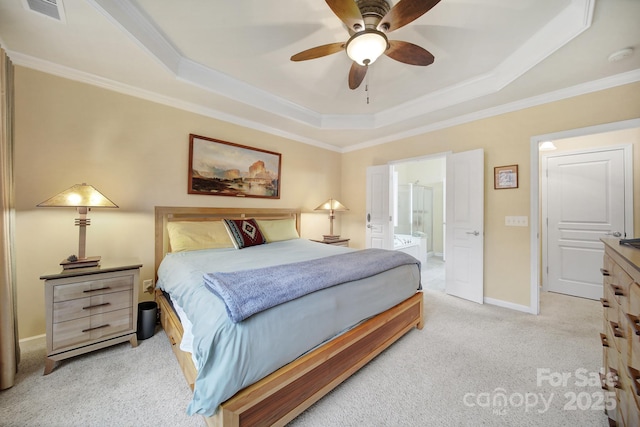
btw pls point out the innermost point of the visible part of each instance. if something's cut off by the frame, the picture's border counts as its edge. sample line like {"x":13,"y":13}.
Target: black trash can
{"x":147,"y":317}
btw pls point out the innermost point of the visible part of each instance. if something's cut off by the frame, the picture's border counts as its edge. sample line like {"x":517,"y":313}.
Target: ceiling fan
{"x":368,"y":22}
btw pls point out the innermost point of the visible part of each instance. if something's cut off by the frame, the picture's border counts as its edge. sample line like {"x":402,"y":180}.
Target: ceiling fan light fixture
{"x":367,"y":46}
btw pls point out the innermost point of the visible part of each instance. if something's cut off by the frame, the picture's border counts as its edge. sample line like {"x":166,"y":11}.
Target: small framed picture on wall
{"x":505,"y":177}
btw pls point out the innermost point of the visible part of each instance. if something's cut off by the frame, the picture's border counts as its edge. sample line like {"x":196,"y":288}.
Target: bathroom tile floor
{"x":433,"y":275}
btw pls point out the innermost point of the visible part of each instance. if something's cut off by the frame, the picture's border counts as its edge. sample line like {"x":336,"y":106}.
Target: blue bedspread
{"x":248,"y":292}
{"x":231,"y":356}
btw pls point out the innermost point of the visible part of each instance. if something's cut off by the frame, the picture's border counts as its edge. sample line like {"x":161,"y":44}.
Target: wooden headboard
{"x":166,"y":214}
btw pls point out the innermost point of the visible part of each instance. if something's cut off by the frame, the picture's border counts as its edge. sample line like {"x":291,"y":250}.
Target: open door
{"x":465,"y":225}
{"x":379,"y":233}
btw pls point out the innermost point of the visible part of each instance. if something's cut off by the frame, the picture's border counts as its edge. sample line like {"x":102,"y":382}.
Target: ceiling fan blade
{"x":318,"y":51}
{"x":348,"y":12}
{"x":405,"y":12}
{"x":356,"y":75}
{"x":409,"y":53}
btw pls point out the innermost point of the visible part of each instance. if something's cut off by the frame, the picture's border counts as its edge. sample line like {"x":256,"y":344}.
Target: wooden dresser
{"x":621,"y":331}
{"x":90,"y":308}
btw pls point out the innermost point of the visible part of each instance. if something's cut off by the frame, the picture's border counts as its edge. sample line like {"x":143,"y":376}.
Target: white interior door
{"x":585,"y":200}
{"x":465,"y":225}
{"x":379,"y":232}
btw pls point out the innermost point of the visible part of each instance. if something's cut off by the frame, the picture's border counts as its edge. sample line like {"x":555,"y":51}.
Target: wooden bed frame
{"x":287,"y":392}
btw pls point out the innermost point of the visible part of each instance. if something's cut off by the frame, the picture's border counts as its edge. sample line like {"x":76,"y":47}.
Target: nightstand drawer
{"x":83,"y":307}
{"x":88,"y":288}
{"x":86,"y":329}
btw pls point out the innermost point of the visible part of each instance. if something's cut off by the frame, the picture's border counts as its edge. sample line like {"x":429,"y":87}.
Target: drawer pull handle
{"x":617,"y":290}
{"x":604,"y":272}
{"x":635,"y":321}
{"x":97,"y":327}
{"x":615,"y":378}
{"x":635,"y":376}
{"x":617,"y":332}
{"x":605,"y":303}
{"x":603,"y":381}
{"x":106,"y":288}
{"x":605,"y":340}
{"x":89,"y":307}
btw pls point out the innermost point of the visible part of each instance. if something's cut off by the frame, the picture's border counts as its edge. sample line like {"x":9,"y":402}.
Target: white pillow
{"x":275,"y":230}
{"x":196,"y":235}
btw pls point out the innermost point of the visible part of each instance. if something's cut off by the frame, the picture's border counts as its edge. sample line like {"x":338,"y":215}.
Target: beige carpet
{"x":452,"y":373}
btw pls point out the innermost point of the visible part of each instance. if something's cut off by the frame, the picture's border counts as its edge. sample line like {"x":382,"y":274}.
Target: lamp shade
{"x":77,"y":196}
{"x":331,"y":205}
{"x":82,"y":197}
{"x":367,"y":46}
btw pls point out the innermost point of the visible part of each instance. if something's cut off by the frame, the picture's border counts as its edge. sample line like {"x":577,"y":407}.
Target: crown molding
{"x":565,"y":26}
{"x":131,"y":21}
{"x":80,"y":76}
{"x":31,"y":62}
{"x":558,"y":95}
{"x":566,"y":22}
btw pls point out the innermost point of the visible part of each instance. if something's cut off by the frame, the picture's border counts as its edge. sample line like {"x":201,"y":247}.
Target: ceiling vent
{"x":51,"y":8}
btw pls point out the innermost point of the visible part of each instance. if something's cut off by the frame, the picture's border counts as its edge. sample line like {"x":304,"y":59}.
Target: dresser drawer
{"x":619,"y":334}
{"x":621,"y":274}
{"x":628,"y":403}
{"x":617,"y":295}
{"x":88,"y":287}
{"x":88,"y":306}
{"x":621,"y":282}
{"x":86,"y":329}
{"x":611,"y":308}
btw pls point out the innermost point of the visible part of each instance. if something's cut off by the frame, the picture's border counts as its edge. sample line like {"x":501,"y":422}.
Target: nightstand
{"x":90,"y":308}
{"x":335,"y":242}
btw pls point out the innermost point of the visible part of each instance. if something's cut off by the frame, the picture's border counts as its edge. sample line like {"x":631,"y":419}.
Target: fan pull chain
{"x":366,"y":86}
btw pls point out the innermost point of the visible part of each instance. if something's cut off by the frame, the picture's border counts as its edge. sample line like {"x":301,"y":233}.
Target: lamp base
{"x":93,"y":261}
{"x":331,"y":237}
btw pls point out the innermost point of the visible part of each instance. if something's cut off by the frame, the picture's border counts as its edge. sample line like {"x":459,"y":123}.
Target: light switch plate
{"x":516,"y":221}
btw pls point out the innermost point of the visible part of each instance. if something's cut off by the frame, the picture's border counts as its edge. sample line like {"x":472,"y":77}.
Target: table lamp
{"x":333,"y":206}
{"x":83,"y":197}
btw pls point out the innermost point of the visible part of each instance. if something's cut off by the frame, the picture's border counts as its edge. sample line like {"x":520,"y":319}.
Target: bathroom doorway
{"x":419,"y":214}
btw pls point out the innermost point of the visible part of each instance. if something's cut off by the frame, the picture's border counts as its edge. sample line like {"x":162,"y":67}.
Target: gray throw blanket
{"x":248,"y":292}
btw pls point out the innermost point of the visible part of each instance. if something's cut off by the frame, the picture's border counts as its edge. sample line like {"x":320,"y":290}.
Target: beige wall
{"x":136,"y":153}
{"x":506,"y":140}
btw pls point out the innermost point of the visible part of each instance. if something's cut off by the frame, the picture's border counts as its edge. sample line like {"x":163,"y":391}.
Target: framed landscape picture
{"x":220,"y":168}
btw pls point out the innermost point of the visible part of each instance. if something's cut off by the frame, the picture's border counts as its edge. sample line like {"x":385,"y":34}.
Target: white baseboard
{"x":36,"y":337}
{"x":507,"y":304}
